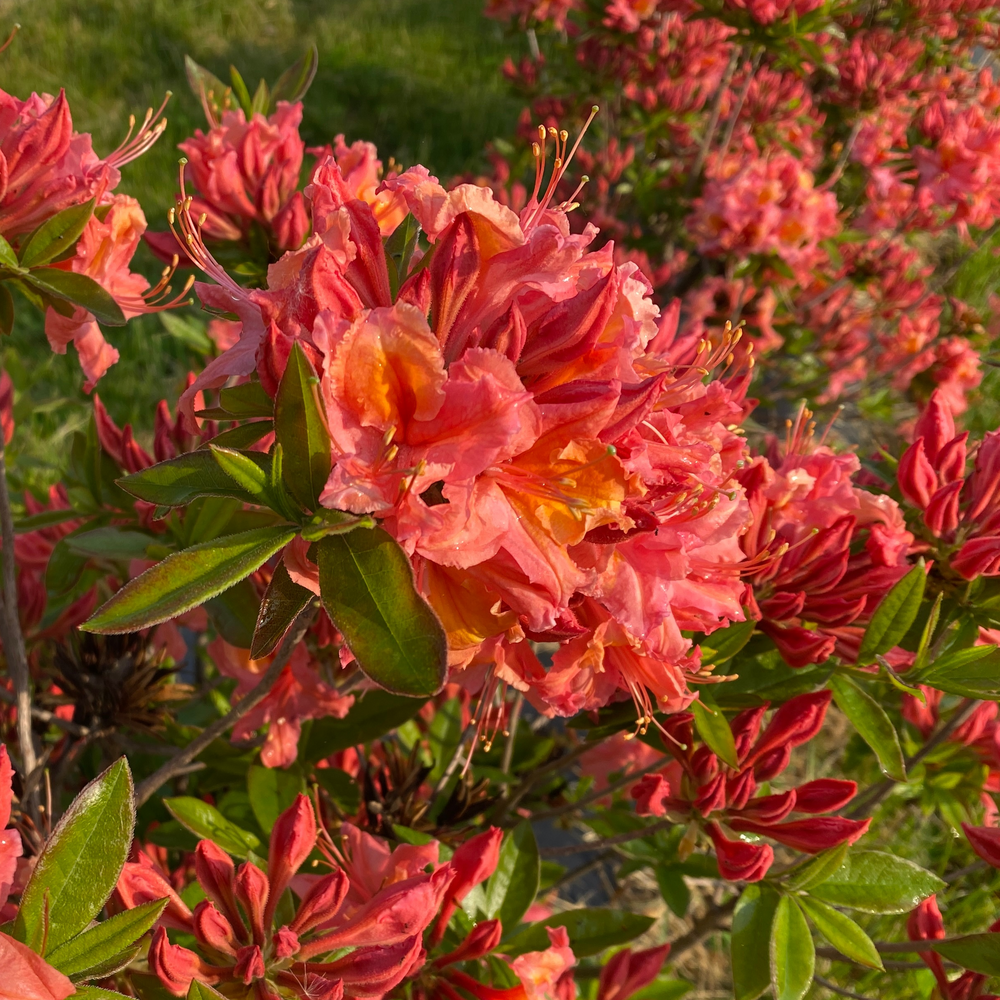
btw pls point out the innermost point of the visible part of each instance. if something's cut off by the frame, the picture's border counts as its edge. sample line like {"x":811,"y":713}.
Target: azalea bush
{"x":461,"y":633}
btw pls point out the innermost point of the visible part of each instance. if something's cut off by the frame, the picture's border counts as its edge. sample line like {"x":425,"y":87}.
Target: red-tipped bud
{"x":985,"y":841}
{"x":481,"y":940}
{"x":915,"y":475}
{"x":809,"y":835}
{"x":925,"y":923}
{"x":950,"y":462}
{"x":824,"y":795}
{"x":217,"y":874}
{"x":935,"y":425}
{"x":704,"y":766}
{"x":739,"y":861}
{"x":650,"y":793}
{"x":252,"y":890}
{"x":740,"y":789}
{"x":249,"y":964}
{"x":795,"y":723}
{"x":474,"y":862}
{"x":769,"y":808}
{"x":321,"y":902}
{"x":978,"y":557}
{"x":175,"y":966}
{"x":746,"y":727}
{"x":141,"y":883}
{"x":373,"y":971}
{"x":286,"y":943}
{"x":941,"y":515}
{"x":627,"y":972}
{"x":292,"y":840}
{"x":711,"y":796}
{"x":213,"y":930}
{"x":772,"y":763}
{"x":800,"y":646}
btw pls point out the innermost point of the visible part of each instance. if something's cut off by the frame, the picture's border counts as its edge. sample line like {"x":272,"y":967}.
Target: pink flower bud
{"x":769,"y":808}
{"x":252,"y":891}
{"x":474,"y":862}
{"x":481,"y":940}
{"x":978,"y":557}
{"x":795,"y":723}
{"x":925,"y":923}
{"x":286,"y":943}
{"x":809,"y":835}
{"x":950,"y":462}
{"x":217,"y":874}
{"x":626,"y":972}
{"x":292,"y":840}
{"x":985,"y":841}
{"x":935,"y":425}
{"x":175,"y":966}
{"x":740,"y":789}
{"x":141,"y":883}
{"x":213,"y":930}
{"x":941,"y":515}
{"x":915,"y":475}
{"x":249,"y":964}
{"x":711,"y":796}
{"x":321,"y":902}
{"x":372,"y":971}
{"x":739,"y":861}
{"x":824,"y":795}
{"x":746,"y":728}
{"x":650,"y":793}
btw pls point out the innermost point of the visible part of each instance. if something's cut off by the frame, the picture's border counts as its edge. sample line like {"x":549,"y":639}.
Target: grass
{"x":419,"y":78}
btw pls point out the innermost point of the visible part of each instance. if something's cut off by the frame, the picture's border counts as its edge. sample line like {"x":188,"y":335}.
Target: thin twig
{"x":10,"y":629}
{"x":628,"y":779}
{"x":844,"y":154}
{"x":574,"y":873}
{"x":596,"y":845}
{"x":179,"y":765}
{"x":44,"y":715}
{"x":508,"y":750}
{"x":734,"y":115}
{"x":711,"y":920}
{"x":839,"y":990}
{"x":456,"y":759}
{"x":866,"y":805}
{"x":835,"y":956}
{"x":713,"y":122}
{"x":976,"y":866}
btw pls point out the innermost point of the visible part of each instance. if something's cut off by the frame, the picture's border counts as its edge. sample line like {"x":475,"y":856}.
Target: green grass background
{"x":420,"y":78}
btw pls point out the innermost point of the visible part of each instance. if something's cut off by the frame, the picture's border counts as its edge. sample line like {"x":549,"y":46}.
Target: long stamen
{"x":10,"y":37}
{"x":132,"y":148}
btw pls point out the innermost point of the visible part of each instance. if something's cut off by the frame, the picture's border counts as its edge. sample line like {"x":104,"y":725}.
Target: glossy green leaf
{"x":371,"y":716}
{"x":283,"y":602}
{"x":971,"y":673}
{"x":876,"y":882}
{"x":261,"y":100}
{"x":244,"y":471}
{"x":240,"y":91}
{"x":110,"y":543}
{"x":752,"y":920}
{"x":590,"y":931}
{"x":6,"y":310}
{"x":205,"y":821}
{"x":200,"y":991}
{"x":724,"y":643}
{"x":250,"y":399}
{"x":187,"y":579}
{"x":272,"y":790}
{"x":367,"y":587}
{"x":673,"y":888}
{"x":56,"y":235}
{"x":180,"y":480}
{"x":234,"y":613}
{"x":894,"y":615}
{"x":399,"y":247}
{"x":793,"y":954}
{"x":978,"y":952}
{"x":512,"y":887}
{"x":81,"y":861}
{"x":818,"y":869}
{"x":869,"y":719}
{"x":713,"y":728}
{"x":842,"y":932}
{"x":243,"y":435}
{"x":7,"y":256}
{"x":300,"y":428}
{"x":292,"y":85}
{"x":110,"y":965}
{"x":105,"y":941}
{"x":80,"y":291}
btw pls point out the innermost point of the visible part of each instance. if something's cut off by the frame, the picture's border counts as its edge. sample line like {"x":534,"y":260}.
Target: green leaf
{"x":842,"y":932}
{"x":207,"y":822}
{"x":341,"y":787}
{"x":292,"y":85}
{"x":187,"y":579}
{"x":241,"y":91}
{"x":371,"y":716}
{"x":869,"y":719}
{"x":283,"y":601}
{"x":261,"y":100}
{"x":96,"y":993}
{"x":80,"y":290}
{"x":56,"y":235}
{"x":590,"y":931}
{"x":110,"y":965}
{"x":300,"y":428}
{"x":978,"y":952}
{"x":271,"y":791}
{"x":812,"y":871}
{"x":673,"y":888}
{"x":512,"y":887}
{"x":793,"y":954}
{"x":971,"y":673}
{"x":713,"y":728}
{"x":105,"y":941}
{"x":199,"y":991}
{"x":250,"y":399}
{"x":234,"y":613}
{"x":188,"y":331}
{"x":45,"y":519}
{"x":180,"y":480}
{"x":7,"y":256}
{"x":366,"y":583}
{"x":245,"y":471}
{"x":752,"y":922}
{"x":110,"y":543}
{"x":243,"y":435}
{"x":724,"y":643}
{"x":894,"y":615}
{"x":876,"y":882}
{"x":208,"y":88}
{"x":81,"y":861}
{"x":399,"y":247}
{"x":6,"y":310}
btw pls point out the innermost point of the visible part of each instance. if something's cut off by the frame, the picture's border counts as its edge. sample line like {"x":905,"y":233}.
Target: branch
{"x":713,"y":122}
{"x":596,"y":845}
{"x":839,"y":990}
{"x":866,"y":805}
{"x":734,"y":115}
{"x":180,"y":764}
{"x":44,"y":715}
{"x":628,"y":779}
{"x":709,"y":921}
{"x":574,"y":873}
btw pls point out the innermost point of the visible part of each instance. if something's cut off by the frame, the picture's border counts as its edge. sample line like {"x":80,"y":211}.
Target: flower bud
{"x":978,"y":557}
{"x":286,"y":943}
{"x":175,"y":966}
{"x":213,"y":930}
{"x":795,"y":723}
{"x":481,"y":940}
{"x":321,"y":902}
{"x":249,"y":964}
{"x":650,"y":793}
{"x":626,"y":972}
{"x":252,"y":891}
{"x":941,"y":515}
{"x":217,"y":873}
{"x":915,"y":475}
{"x":712,"y":796}
{"x":292,"y":840}
{"x":740,"y":861}
{"x":935,"y":425}
{"x":824,"y":795}
{"x":985,"y":841}
{"x":769,"y":808}
{"x":141,"y":883}
{"x":809,"y":835}
{"x":950,"y":462}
